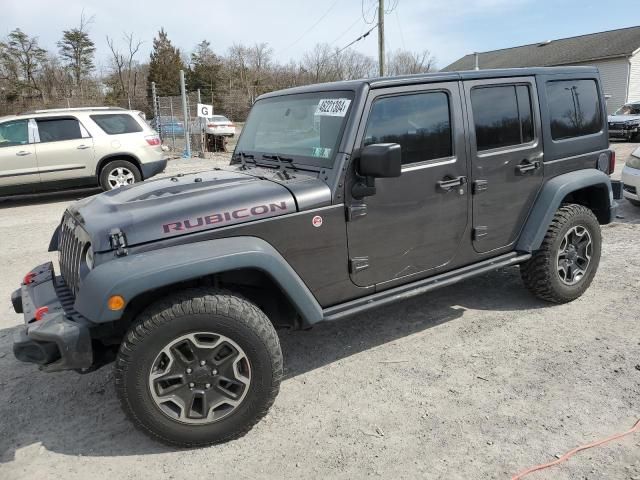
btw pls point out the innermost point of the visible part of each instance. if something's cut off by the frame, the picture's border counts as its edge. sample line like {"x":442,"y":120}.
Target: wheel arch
{"x":246,"y":264}
{"x":590,"y":188}
{"x":129,"y":157}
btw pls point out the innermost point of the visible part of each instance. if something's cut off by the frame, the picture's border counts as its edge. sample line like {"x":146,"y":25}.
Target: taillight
{"x":612,"y":161}
{"x":28,"y":278}
{"x":153,"y":141}
{"x":210,"y":125}
{"x":41,"y":312}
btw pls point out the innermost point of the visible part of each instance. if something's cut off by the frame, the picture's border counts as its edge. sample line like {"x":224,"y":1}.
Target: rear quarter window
{"x":574,"y":108}
{"x":116,"y":123}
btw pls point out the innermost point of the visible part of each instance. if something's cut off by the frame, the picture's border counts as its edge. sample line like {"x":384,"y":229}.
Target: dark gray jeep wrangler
{"x":340,"y":198}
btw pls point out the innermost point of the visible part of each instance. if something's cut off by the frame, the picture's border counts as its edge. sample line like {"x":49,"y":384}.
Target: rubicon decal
{"x":227,"y":217}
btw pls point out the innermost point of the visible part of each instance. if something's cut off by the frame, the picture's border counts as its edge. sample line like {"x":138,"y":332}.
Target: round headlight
{"x":88,"y":257}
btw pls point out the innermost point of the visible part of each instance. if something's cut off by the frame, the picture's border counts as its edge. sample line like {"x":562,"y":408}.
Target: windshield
{"x":629,"y":109}
{"x":305,"y":127}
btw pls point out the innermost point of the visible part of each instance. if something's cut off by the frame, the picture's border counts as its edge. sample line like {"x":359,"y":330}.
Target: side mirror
{"x":380,"y":160}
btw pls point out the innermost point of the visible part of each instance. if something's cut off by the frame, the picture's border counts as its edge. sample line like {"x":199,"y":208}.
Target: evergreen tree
{"x":77,"y":50}
{"x":204,"y":73}
{"x":165,"y":66}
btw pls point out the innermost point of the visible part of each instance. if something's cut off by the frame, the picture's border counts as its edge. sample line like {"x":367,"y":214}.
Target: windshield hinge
{"x":356,"y":211}
{"x":118,"y":242}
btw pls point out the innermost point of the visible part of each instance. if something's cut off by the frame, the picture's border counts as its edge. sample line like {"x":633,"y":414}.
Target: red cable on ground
{"x":566,"y":456}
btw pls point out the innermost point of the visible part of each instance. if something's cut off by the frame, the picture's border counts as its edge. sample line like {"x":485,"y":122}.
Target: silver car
{"x":631,"y":178}
{"x":51,"y":149}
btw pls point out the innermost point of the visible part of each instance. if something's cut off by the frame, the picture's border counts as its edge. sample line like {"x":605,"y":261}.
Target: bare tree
{"x":123,"y":65}
{"x":404,"y":62}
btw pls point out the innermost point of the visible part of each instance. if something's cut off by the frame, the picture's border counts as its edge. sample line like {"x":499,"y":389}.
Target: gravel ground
{"x":474,"y":381}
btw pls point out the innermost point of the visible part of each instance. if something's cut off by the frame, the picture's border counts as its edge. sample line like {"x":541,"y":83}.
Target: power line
{"x":353,"y":25}
{"x":370,"y":8}
{"x":392,"y":7}
{"x":311,"y":27}
{"x":361,"y":37}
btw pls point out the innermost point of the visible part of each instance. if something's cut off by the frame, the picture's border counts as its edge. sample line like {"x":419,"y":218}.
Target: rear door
{"x":506,"y":157}
{"x":415,"y":222}
{"x":65,"y":149}
{"x":18,"y":162}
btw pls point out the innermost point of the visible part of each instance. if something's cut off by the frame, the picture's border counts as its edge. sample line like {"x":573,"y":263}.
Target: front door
{"x":65,"y":149}
{"x":18,"y":162}
{"x":415,"y":222}
{"x":506,"y":158}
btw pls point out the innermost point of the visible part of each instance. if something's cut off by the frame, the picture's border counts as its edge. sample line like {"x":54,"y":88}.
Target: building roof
{"x":584,"y":48}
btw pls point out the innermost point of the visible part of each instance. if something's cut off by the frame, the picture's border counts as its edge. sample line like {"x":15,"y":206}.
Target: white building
{"x":616,"y":53}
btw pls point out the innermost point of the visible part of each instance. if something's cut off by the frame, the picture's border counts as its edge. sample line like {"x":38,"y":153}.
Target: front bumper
{"x":61,"y":340}
{"x":150,"y":169}
{"x":623,"y":133}
{"x":631,"y":183}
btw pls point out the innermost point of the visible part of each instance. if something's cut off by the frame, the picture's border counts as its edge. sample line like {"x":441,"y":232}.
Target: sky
{"x":449,"y":29}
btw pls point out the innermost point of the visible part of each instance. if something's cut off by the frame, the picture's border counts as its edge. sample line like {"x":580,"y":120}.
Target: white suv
{"x":50,"y":149}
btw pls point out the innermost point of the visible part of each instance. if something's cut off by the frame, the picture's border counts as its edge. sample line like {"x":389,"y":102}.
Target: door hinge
{"x":358,"y":264}
{"x":356,"y":211}
{"x":480,"y":186}
{"x":118,"y":242}
{"x":479,"y":232}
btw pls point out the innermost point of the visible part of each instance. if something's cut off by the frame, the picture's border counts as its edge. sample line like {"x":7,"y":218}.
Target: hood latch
{"x":118,"y":242}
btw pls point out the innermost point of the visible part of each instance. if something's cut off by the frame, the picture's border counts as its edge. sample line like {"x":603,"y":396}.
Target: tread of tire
{"x":195,"y":301}
{"x":534,"y":272}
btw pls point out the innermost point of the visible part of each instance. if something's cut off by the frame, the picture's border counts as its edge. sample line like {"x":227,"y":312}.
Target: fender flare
{"x":550,"y":199}
{"x":136,"y":274}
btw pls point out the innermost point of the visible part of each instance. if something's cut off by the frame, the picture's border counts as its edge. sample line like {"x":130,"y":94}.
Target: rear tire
{"x":564,"y":266}
{"x":119,"y":173}
{"x":199,"y":368}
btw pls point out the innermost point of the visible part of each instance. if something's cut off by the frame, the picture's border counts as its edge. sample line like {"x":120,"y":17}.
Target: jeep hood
{"x":623,"y":118}
{"x":183,"y":204}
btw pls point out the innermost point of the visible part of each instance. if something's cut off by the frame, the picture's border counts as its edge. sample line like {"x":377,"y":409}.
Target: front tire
{"x":564,"y":266}
{"x":199,"y":368}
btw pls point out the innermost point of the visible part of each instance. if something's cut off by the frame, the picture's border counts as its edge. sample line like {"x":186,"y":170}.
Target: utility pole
{"x":185,"y":113}
{"x":381,"y":36}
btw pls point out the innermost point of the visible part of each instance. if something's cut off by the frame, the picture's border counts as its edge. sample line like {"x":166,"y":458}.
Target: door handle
{"x":23,"y":153}
{"x":527,"y":166}
{"x":449,"y":183}
{"x":83,"y":147}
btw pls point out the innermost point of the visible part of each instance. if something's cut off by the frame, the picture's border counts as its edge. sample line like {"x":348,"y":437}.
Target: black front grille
{"x":70,"y":248}
{"x":629,"y":188}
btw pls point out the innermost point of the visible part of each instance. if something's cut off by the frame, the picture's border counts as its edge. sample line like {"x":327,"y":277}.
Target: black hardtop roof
{"x":380,"y":82}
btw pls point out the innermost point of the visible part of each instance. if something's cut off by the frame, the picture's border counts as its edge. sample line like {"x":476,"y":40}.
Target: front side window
{"x":574,"y":108}
{"x":303,"y":127}
{"x":502,"y":116}
{"x":58,"y":129}
{"x":14,"y":133}
{"x":116,"y":123}
{"x":420,"y":123}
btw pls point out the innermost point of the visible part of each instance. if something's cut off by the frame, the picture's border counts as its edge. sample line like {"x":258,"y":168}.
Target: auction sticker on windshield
{"x":333,"y":107}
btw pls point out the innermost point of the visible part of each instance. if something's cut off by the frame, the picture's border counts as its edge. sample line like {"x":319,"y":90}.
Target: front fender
{"x":133,"y":275}
{"x":550,"y":199}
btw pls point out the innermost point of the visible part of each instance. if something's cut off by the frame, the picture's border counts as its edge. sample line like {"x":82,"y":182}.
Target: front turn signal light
{"x":115,"y":303}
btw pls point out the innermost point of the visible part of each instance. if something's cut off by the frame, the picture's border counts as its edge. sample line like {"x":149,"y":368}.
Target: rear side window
{"x":574,"y":108}
{"x":58,"y":129}
{"x":117,"y":123}
{"x":420,"y":123}
{"x":502,"y":116}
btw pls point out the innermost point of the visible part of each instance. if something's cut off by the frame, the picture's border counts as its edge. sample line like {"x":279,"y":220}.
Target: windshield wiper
{"x":278,"y":158}
{"x":244,"y":157}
